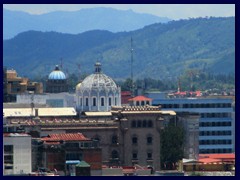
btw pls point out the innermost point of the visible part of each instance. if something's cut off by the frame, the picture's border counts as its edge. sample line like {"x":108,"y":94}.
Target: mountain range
{"x":160,"y":50}
{"x":75,"y":22}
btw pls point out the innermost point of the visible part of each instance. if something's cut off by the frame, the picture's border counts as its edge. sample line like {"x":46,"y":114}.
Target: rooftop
{"x":140,"y":98}
{"x":65,"y":137}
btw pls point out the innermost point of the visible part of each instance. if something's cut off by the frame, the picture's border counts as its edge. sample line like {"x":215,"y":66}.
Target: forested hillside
{"x":161,"y":51}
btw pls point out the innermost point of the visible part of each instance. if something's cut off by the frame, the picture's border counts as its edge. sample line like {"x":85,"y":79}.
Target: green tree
{"x":171,"y":145}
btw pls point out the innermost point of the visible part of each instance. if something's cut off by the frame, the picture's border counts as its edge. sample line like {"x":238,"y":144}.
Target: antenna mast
{"x":132,"y":85}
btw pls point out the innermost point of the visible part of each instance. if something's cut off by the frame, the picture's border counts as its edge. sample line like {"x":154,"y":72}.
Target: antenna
{"x":61,"y":63}
{"x":132,"y":85}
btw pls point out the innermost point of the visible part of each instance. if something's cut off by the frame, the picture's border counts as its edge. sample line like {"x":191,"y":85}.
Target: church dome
{"x":78,"y":87}
{"x":56,"y":74}
{"x":98,"y":81}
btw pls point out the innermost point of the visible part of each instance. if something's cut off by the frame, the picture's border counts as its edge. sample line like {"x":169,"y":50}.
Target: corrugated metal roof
{"x":27,"y":112}
{"x":98,"y":113}
{"x":65,"y":137}
{"x":217,"y":156}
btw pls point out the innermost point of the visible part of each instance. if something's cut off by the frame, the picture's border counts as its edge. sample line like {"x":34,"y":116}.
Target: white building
{"x":50,"y":99}
{"x":17,"y":154}
{"x":97,"y":92}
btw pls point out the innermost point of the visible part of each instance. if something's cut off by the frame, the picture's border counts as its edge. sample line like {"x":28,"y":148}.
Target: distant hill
{"x":15,"y":22}
{"x":160,"y":50}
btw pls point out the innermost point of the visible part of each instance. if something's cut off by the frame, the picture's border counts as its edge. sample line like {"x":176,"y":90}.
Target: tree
{"x":171,"y":145}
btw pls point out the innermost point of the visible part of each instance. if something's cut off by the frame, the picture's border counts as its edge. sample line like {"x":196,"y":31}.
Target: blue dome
{"x":57,"y":75}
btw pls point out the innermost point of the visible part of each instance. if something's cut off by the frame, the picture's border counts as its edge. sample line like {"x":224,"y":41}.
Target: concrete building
{"x":127,"y":135}
{"x":17,"y":154}
{"x":13,"y":85}
{"x":216,"y":123}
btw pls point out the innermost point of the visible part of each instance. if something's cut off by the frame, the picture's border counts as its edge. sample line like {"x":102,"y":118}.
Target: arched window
{"x":102,"y":101}
{"x":109,"y":101}
{"x":133,"y":124}
{"x":80,"y":101}
{"x":142,"y":103}
{"x":94,"y":101}
{"x":137,"y":103}
{"x":134,"y":155}
{"x":115,"y":154}
{"x":134,"y":140}
{"x":149,"y":139}
{"x":114,"y":139}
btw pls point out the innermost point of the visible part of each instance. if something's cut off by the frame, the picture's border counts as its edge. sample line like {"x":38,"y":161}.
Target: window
{"x":133,"y":124}
{"x":150,"y":124}
{"x":137,"y":103}
{"x":134,"y":140}
{"x":134,"y":155}
{"x":115,"y":154}
{"x":110,"y":101}
{"x":149,"y":140}
{"x":8,"y":149}
{"x":144,"y":123}
{"x":115,"y":101}
{"x":114,"y":139}
{"x":139,"y":123}
{"x":149,"y":155}
{"x":142,"y":103}
{"x":94,"y":101}
{"x":86,"y":101}
{"x":102,"y":101}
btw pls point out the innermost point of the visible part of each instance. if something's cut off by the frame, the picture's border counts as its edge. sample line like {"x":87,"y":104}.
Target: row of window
{"x":142,"y":103}
{"x":212,"y":105}
{"x":207,"y":124}
{"x":135,"y":155}
{"x":215,"y":115}
{"x":142,"y":123}
{"x":213,"y":141}
{"x":94,"y":101}
{"x":210,"y":151}
{"x":215,"y":133}
{"x":115,"y":155}
{"x":149,"y":140}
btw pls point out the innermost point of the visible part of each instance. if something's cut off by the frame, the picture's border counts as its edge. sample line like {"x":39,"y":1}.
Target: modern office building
{"x":216,"y":123}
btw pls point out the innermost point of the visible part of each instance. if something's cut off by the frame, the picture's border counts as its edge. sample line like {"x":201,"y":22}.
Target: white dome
{"x":97,"y":92}
{"x":98,"y":81}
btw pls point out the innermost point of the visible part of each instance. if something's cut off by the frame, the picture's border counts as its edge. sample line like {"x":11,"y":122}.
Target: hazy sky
{"x":173,"y":11}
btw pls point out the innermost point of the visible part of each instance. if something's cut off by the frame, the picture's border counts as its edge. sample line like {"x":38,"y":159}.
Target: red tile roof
{"x":65,"y":137}
{"x":140,"y":98}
